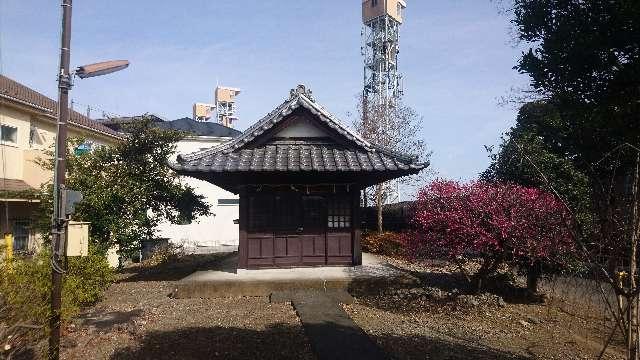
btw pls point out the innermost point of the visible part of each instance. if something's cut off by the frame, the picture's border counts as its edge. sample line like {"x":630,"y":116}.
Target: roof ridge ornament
{"x":301,"y":89}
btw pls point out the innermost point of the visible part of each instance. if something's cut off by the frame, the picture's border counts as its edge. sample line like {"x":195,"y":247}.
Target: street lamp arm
{"x":101,"y":68}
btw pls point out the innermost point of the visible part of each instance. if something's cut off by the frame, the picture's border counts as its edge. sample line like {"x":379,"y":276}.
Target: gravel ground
{"x":138,"y":320}
{"x":414,"y":326}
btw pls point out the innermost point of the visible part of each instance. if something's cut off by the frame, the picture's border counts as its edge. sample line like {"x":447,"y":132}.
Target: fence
{"x":395,"y":217}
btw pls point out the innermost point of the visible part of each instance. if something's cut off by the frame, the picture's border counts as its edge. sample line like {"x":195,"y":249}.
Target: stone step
{"x":215,"y":284}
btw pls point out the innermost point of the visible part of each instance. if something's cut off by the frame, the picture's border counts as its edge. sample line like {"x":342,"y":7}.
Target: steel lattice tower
{"x":381,"y":45}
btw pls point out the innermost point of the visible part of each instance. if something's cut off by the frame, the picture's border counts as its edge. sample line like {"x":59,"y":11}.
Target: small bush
{"x":385,"y":243}
{"x":25,"y":287}
{"x":164,"y":254}
{"x":86,"y":280}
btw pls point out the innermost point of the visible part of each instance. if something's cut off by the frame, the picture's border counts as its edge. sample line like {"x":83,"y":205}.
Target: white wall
{"x":12,"y":155}
{"x":215,"y":230}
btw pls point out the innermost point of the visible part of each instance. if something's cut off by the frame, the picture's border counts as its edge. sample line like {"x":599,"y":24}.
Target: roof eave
{"x":48,"y":113}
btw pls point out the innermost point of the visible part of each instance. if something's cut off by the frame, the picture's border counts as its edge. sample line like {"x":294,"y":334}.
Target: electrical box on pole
{"x":78,"y":238}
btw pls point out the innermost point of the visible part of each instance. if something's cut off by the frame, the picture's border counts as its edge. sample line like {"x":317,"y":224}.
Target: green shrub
{"x":86,"y":280}
{"x":25,"y":286}
{"x":385,"y":243}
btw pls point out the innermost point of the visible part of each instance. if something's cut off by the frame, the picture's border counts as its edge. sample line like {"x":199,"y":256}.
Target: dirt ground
{"x":514,"y":332}
{"x":138,"y":320}
{"x":412,"y":327}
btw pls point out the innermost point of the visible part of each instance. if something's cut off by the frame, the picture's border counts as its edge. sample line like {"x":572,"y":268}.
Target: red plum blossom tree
{"x":493,"y":223}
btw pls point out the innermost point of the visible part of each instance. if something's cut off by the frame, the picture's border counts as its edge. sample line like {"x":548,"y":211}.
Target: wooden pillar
{"x":243,"y":214}
{"x":355,"y":226}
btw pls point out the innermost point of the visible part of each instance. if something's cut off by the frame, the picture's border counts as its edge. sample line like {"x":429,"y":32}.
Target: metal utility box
{"x":372,"y":9}
{"x":78,"y":238}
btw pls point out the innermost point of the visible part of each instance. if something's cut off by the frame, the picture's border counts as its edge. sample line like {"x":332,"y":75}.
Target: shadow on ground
{"x":106,"y":321}
{"x":285,"y":342}
{"x":456,"y":283}
{"x":276,"y":342}
{"x":177,"y":269}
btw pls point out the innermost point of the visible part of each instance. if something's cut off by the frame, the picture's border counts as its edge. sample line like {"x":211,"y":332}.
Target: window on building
{"x":228,"y":202}
{"x":8,"y":134}
{"x":338,"y":213}
{"x":374,"y":3}
{"x":21,"y":235}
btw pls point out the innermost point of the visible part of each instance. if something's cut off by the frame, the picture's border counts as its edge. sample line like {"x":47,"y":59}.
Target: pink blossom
{"x":499,"y":220}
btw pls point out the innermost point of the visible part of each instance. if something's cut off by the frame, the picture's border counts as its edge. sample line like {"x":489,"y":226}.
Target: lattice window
{"x":339,"y":213}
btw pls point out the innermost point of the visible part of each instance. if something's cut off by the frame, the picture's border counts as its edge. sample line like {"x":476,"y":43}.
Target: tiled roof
{"x":304,"y":155}
{"x":299,"y":97}
{"x":17,"y":92}
{"x":199,"y":128}
{"x":298,"y":157}
{"x":14,"y":185}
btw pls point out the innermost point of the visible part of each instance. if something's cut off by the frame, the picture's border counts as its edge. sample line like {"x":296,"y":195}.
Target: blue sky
{"x":456,"y":57}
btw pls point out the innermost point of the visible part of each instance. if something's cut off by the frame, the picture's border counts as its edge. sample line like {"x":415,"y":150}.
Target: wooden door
{"x":339,"y":234}
{"x":314,"y":231}
{"x":288,"y":230}
{"x":260,"y":240}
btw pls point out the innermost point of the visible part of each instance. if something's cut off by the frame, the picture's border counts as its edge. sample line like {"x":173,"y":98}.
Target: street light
{"x":101,"y":68}
{"x":59,"y":228}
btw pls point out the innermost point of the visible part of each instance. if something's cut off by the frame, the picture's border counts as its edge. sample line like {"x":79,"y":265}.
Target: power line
{"x":88,"y":109}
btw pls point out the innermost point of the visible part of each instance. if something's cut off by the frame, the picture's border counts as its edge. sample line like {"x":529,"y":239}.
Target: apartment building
{"x":27,"y":131}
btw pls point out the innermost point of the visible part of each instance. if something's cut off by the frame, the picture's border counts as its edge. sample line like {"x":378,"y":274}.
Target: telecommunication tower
{"x":225,"y":98}
{"x":381,"y":35}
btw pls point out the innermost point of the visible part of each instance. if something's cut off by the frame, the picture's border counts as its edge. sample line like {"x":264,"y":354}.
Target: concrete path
{"x":228,"y":281}
{"x":332,"y":333}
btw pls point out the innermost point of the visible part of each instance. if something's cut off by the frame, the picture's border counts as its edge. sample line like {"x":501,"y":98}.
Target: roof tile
{"x":16,"y":91}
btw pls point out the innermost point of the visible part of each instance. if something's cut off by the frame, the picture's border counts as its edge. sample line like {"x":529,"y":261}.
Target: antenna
{"x":380,"y":48}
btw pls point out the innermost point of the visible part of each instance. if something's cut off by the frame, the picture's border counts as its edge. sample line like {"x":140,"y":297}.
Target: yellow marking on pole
{"x":8,"y":241}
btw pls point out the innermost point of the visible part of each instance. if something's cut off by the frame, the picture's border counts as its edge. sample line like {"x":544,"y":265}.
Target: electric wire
{"x":104,"y":113}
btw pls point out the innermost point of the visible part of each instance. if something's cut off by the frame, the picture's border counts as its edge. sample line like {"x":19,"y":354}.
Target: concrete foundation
{"x":371,"y":276}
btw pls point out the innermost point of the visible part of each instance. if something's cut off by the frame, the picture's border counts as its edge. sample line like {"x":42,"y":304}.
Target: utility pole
{"x":62,"y":196}
{"x":59,"y":219}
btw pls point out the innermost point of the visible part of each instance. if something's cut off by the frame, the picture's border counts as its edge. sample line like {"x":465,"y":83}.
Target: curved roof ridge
{"x":221,"y":147}
{"x":300,"y":96}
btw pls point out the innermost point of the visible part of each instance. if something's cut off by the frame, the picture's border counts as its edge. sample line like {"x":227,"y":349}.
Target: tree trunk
{"x":379,"y":189}
{"x":481,"y":276}
{"x":633,"y":309}
{"x":533,"y":276}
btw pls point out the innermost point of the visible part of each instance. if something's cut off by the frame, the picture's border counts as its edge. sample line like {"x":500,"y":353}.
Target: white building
{"x":208,"y":233}
{"x":220,"y":228}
